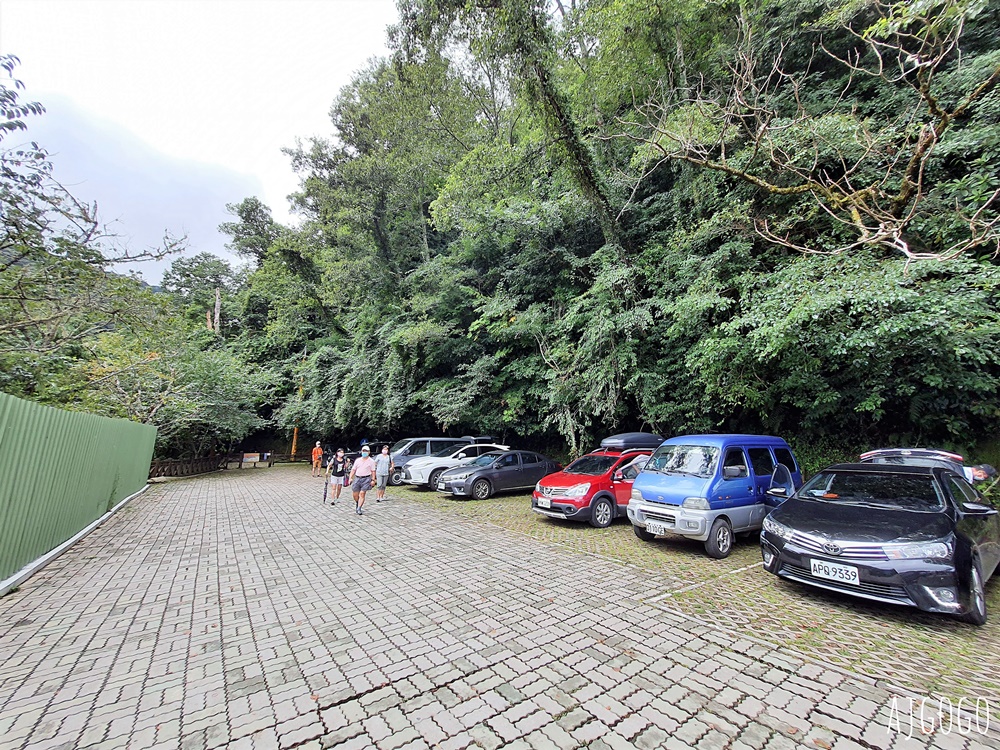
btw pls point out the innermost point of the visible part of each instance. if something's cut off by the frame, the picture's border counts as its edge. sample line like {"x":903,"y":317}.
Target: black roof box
{"x":627,"y":440}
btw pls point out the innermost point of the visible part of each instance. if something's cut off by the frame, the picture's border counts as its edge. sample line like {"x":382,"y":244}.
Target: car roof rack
{"x":632,"y":441}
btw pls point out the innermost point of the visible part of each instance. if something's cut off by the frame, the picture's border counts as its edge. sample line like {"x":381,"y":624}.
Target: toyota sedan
{"x":497,"y":472}
{"x":920,"y":536}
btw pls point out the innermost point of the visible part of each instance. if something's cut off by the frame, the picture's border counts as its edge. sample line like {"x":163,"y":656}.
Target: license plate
{"x":654,"y":527}
{"x":544,"y":502}
{"x":834,"y":571}
{"x":441,"y":486}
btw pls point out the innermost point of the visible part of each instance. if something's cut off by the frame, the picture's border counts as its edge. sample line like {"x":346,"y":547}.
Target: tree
{"x":58,"y":289}
{"x":866,"y":170}
{"x":254,"y":231}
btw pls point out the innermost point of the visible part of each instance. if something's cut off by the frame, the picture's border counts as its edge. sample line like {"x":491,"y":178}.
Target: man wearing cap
{"x":362,"y":478}
{"x":317,"y":459}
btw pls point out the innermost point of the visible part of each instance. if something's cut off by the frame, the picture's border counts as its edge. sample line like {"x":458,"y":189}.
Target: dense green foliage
{"x":550,"y":223}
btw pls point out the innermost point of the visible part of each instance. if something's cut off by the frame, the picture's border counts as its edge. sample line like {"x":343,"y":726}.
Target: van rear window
{"x":784,"y":457}
{"x":762,"y":462}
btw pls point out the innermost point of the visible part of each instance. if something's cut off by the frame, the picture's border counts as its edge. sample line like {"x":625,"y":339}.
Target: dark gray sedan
{"x":498,"y":471}
{"x":921,"y":536}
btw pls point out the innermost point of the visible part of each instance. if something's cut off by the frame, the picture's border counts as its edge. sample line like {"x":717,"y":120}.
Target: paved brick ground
{"x":235,"y":610}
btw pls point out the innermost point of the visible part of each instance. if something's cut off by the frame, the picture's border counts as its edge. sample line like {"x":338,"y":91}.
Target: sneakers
{"x":359,"y":511}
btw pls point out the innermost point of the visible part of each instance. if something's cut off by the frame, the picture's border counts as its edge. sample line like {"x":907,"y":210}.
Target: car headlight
{"x":695,"y":503}
{"x":636,"y":495}
{"x":458,"y":477}
{"x":538,"y":487}
{"x":918,"y":551}
{"x":777,"y":528}
{"x":578,"y":490}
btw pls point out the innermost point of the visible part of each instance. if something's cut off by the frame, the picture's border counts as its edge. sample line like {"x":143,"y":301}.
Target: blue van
{"x":710,"y":487}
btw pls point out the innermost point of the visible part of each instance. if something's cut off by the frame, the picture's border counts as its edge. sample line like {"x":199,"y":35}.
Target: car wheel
{"x":976,"y":613}
{"x":396,"y":478}
{"x":432,"y":480}
{"x":720,"y":539}
{"x":481,"y":489}
{"x":602,"y":513}
{"x":643,"y":534}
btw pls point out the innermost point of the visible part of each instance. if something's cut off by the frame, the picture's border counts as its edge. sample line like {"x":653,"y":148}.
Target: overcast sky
{"x":163,"y":111}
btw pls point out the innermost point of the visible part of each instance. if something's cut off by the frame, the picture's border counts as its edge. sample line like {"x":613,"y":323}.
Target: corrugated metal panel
{"x":59,"y":472}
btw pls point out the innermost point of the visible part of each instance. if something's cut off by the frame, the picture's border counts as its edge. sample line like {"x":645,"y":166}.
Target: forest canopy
{"x":550,"y":221}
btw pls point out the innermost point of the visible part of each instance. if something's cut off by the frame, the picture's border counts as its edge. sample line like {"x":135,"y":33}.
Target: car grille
{"x":873,"y":589}
{"x":553,"y":491}
{"x":848,"y":550}
{"x":667,"y":518}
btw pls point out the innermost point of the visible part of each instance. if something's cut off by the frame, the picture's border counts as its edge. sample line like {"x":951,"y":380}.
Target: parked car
{"x":708,"y":487}
{"x":498,"y":471}
{"x":914,"y":535}
{"x":409,"y":449}
{"x":425,"y":472}
{"x":596,"y":487}
{"x":919,"y":457}
{"x":374,"y":447}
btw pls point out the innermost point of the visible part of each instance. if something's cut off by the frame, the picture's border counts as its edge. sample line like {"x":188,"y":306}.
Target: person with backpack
{"x":337,"y":470}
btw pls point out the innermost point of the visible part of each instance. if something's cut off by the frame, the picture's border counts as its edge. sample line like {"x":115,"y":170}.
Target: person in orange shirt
{"x":317,"y":460}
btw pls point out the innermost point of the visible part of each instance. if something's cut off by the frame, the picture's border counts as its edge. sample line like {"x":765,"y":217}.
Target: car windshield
{"x":484,"y":460}
{"x":876,"y":490}
{"x":445,"y":452}
{"x":696,"y":460}
{"x":593,"y":465}
{"x":399,"y":446}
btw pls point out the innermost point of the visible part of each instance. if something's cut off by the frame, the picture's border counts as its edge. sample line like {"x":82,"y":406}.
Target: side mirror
{"x":975,"y":509}
{"x":461,"y":455}
{"x":618,"y":476}
{"x":733,"y":472}
{"x":778,"y":492}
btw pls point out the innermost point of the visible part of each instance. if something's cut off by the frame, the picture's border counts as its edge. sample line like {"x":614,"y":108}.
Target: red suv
{"x":596,"y":487}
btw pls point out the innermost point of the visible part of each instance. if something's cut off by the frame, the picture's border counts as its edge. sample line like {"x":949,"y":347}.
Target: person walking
{"x":317,"y":459}
{"x":362,"y":478}
{"x":383,"y":468}
{"x":337,"y":470}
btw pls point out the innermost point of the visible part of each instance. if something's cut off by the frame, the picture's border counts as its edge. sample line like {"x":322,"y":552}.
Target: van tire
{"x":720,"y":539}
{"x":643,"y":534}
{"x":602,"y":513}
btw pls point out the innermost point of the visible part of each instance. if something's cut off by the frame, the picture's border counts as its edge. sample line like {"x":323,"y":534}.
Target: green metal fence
{"x":59,"y":472}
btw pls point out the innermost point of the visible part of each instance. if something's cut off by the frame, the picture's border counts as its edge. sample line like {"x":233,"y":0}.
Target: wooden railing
{"x":185,"y":467}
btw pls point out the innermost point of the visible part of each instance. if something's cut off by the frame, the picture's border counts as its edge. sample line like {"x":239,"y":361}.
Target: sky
{"x":164,"y":111}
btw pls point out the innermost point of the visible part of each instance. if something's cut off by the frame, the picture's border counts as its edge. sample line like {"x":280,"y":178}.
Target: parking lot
{"x":236,"y":610}
{"x":921,"y":652}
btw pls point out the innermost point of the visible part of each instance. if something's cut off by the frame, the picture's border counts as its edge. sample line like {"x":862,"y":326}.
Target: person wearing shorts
{"x":337,"y":470}
{"x":317,"y":458}
{"x":383,"y":468}
{"x":362,"y":478}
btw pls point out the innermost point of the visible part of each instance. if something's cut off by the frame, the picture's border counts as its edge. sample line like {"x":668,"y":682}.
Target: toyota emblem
{"x":832,"y":549}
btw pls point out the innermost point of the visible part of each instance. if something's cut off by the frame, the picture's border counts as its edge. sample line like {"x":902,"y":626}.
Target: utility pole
{"x":295,"y":430}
